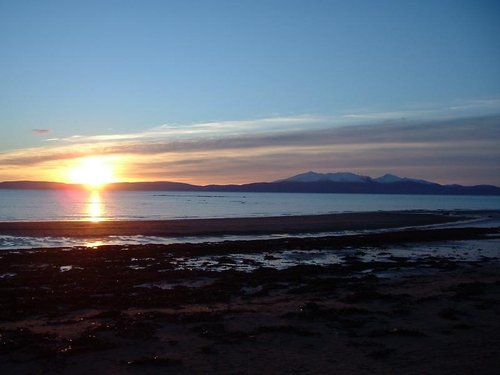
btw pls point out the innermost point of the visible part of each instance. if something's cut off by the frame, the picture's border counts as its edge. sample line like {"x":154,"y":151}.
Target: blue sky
{"x":93,"y":68}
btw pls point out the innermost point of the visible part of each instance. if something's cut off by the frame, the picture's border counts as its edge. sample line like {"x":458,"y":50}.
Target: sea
{"x":50,"y":205}
{"x":63,"y":205}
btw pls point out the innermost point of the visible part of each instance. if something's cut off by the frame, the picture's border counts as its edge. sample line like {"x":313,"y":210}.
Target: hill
{"x":309,"y":182}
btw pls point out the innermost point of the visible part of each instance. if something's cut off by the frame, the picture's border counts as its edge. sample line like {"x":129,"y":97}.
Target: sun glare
{"x":95,"y":207}
{"x":93,"y":172}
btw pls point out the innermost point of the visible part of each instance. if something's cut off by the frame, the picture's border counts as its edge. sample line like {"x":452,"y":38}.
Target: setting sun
{"x":93,"y":172}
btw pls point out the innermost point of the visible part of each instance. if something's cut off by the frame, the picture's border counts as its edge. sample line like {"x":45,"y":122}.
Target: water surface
{"x":41,"y":205}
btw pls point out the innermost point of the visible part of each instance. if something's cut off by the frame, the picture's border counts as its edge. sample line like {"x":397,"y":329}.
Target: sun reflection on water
{"x":94,"y":244}
{"x":95,"y":207}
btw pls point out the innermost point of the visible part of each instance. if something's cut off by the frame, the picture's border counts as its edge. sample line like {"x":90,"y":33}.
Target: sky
{"x":243,"y":91}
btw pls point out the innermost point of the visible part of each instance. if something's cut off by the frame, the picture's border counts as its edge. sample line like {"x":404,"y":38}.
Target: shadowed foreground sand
{"x":240,"y":226}
{"x":150,"y":309}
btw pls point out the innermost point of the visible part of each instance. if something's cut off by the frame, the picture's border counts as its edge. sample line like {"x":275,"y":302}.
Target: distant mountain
{"x":334,"y":177}
{"x":36,"y":185}
{"x":346,"y":182}
{"x":123,"y":186}
{"x":309,"y":182}
{"x":153,"y":186}
{"x":349,"y":177}
{"x":390,"y":178}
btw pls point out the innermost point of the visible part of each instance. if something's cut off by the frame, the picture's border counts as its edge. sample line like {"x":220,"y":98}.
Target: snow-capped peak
{"x":334,"y":177}
{"x":350,"y":177}
{"x":390,"y":178}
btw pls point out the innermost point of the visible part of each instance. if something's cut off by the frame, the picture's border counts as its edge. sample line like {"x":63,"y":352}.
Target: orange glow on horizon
{"x":93,"y":172}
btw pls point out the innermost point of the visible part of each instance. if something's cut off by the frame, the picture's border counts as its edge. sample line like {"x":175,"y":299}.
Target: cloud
{"x":40,"y":131}
{"x":493,"y":104}
{"x":452,"y":150}
{"x":416,"y":134}
{"x":218,"y":129}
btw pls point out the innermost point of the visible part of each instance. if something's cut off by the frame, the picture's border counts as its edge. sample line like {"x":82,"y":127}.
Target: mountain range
{"x":309,"y":182}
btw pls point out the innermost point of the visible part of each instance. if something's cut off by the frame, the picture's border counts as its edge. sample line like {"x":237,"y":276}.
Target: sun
{"x":93,"y":172}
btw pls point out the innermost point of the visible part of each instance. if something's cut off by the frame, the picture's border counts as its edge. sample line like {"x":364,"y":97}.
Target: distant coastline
{"x":310,"y":182}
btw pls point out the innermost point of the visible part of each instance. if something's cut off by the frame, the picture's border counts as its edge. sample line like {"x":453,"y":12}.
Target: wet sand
{"x":146,"y":309}
{"x":229,"y":226}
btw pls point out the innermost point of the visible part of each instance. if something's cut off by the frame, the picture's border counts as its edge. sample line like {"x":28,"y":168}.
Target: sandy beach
{"x":227,"y":226}
{"x":412,"y":301}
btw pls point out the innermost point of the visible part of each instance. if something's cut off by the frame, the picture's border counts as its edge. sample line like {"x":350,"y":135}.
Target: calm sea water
{"x":16,"y":205}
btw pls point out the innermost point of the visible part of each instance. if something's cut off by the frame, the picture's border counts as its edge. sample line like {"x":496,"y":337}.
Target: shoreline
{"x":393,"y":299}
{"x":234,"y":226}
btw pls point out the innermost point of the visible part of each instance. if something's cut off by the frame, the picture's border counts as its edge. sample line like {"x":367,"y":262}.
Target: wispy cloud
{"x":462,"y":150}
{"x":40,"y":131}
{"x":458,"y":108}
{"x":207,"y":129}
{"x":493,"y":104}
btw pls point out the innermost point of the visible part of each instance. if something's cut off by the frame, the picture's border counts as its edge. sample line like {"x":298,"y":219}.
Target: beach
{"x":414,"y":300}
{"x":249,"y":187}
{"x":228,"y":226}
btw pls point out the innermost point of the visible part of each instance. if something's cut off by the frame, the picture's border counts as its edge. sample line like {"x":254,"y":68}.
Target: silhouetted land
{"x":372,"y":187}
